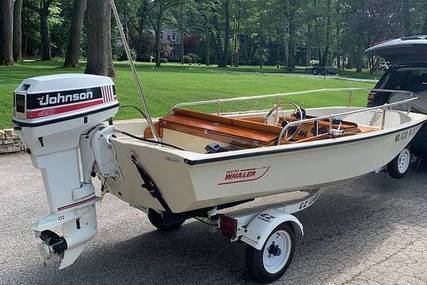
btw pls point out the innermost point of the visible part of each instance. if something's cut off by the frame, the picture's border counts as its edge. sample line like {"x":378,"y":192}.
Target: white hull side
{"x":187,"y":187}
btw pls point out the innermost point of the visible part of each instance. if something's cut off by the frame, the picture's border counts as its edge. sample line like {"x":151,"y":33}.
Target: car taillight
{"x":228,"y":226}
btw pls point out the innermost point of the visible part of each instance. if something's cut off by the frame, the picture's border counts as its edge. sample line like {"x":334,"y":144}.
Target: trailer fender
{"x":260,"y":227}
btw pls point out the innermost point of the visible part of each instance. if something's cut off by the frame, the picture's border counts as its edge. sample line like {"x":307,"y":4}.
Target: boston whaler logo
{"x":244,"y":175}
{"x":47,"y":100}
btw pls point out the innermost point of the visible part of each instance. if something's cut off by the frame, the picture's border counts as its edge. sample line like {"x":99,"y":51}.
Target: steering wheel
{"x":298,"y":113}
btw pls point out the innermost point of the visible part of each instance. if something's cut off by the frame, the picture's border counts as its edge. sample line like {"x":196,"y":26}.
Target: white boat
{"x":254,"y":165}
{"x":195,"y":164}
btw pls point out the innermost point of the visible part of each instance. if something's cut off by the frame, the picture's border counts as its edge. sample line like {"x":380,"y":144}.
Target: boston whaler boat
{"x":196,"y":164}
{"x":192,"y":164}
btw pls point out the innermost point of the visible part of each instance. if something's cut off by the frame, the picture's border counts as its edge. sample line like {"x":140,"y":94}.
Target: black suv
{"x":407,"y":59}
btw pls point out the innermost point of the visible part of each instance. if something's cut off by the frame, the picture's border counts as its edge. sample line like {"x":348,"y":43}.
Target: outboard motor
{"x":55,"y":117}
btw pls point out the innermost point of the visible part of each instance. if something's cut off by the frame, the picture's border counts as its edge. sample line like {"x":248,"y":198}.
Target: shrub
{"x":194,"y":57}
{"x":188,"y":59}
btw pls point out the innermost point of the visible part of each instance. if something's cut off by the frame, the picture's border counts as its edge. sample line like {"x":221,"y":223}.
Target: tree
{"x":42,"y":7}
{"x":158,"y":9}
{"x":291,"y":9}
{"x":99,"y":51}
{"x":181,"y":28}
{"x":17,"y":30}
{"x":406,"y":18}
{"x":224,"y":60}
{"x":46,"y":52}
{"x":325,"y":56}
{"x":73,"y":49}
{"x":6,"y":55}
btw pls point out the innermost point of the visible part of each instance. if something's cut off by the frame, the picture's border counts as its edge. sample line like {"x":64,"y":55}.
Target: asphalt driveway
{"x":370,"y":231}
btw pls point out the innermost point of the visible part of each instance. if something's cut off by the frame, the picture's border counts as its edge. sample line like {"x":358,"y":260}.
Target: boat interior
{"x":210,"y":133}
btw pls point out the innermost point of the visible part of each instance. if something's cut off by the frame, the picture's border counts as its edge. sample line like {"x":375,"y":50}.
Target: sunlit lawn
{"x":171,"y":84}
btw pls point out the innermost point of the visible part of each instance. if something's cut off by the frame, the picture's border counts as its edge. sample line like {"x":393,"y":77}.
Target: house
{"x":173,"y":37}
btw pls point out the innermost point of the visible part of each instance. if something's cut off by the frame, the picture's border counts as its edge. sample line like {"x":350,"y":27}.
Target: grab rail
{"x":384,"y":108}
{"x":219,"y":102}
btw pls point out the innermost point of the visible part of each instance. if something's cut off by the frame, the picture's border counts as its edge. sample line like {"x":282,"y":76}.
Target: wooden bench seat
{"x":226,"y":130}
{"x":247,"y":132}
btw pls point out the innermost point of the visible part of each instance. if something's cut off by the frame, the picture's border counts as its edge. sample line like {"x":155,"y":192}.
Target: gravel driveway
{"x":370,"y":231}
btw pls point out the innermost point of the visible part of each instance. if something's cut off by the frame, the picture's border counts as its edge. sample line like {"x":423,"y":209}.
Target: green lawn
{"x":365,"y":74}
{"x":171,"y":84}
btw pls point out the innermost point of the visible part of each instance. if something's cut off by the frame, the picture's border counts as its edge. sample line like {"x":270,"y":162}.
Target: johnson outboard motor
{"x":55,"y":116}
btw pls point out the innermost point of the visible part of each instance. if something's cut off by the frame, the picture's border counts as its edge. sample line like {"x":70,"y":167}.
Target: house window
{"x":173,"y":37}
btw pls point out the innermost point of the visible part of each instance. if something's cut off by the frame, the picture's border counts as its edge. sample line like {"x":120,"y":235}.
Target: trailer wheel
{"x":315,"y":71}
{"x":157,"y":220}
{"x":399,"y":166}
{"x":270,"y":263}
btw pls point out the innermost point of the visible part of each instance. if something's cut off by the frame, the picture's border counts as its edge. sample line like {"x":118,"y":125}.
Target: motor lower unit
{"x":55,"y":116}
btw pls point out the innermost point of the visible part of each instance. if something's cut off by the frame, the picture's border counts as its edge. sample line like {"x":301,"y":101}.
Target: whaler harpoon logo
{"x":48,"y":99}
{"x":244,"y":175}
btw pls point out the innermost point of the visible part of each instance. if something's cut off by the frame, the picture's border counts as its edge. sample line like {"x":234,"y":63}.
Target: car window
{"x":409,"y":79}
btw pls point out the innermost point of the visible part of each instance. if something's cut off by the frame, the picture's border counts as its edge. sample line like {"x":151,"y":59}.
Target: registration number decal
{"x":404,"y":135}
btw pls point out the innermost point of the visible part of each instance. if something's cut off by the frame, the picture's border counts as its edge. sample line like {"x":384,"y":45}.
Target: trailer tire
{"x":399,"y":166}
{"x":157,"y":221}
{"x":315,"y":71}
{"x":271,"y":262}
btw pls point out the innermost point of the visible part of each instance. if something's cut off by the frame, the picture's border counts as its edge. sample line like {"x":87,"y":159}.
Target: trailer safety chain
{"x":149,"y":184}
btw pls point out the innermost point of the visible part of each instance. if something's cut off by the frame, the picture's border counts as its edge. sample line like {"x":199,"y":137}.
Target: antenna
{"x":134,"y":72}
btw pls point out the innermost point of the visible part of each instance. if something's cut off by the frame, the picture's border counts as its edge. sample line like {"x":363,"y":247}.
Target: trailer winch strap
{"x":149,"y":184}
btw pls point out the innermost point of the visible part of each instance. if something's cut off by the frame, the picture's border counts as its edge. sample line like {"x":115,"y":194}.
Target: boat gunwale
{"x":191,"y":158}
{"x":298,"y":147}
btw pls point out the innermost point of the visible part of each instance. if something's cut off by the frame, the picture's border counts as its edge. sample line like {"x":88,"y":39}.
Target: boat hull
{"x":189,"y":181}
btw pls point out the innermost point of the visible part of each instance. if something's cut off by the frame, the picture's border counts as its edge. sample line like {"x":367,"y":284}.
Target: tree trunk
{"x":308,"y":45}
{"x":218,"y":42}
{"x":142,"y":17}
{"x":73,"y":48}
{"x":99,"y":52}
{"x":208,"y":60}
{"x":324,"y":60}
{"x":46,"y":53}
{"x":6,"y":55}
{"x":260,"y":53}
{"x":226,"y":34}
{"x":425,"y":22}
{"x":182,"y":30}
{"x":158,"y":39}
{"x":359,"y":58}
{"x":406,"y":18}
{"x":17,"y":31}
{"x":337,"y":34}
{"x":292,"y":31}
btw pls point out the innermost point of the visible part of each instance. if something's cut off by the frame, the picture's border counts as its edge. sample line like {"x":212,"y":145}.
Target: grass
{"x":365,"y":74}
{"x":171,"y":84}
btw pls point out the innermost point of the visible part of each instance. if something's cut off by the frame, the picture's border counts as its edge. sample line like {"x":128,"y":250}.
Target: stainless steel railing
{"x":219,"y":102}
{"x":331,"y":117}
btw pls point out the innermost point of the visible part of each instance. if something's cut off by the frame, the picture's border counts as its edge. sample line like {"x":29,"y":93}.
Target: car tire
{"x":400,"y":165}
{"x":315,"y":71}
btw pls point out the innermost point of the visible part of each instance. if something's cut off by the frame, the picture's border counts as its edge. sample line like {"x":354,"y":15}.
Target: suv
{"x":407,"y":61}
